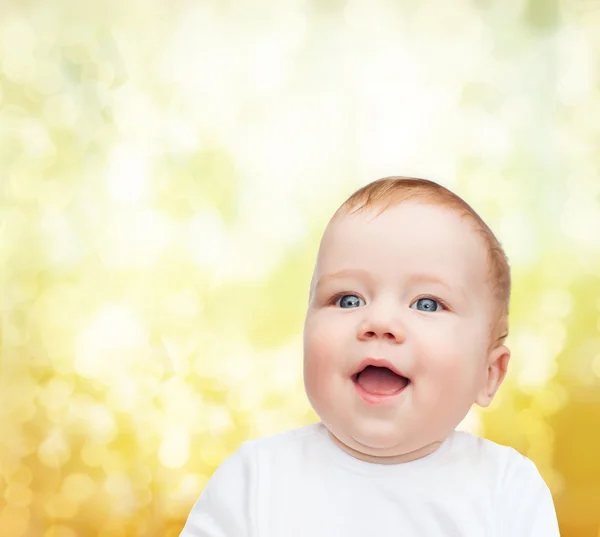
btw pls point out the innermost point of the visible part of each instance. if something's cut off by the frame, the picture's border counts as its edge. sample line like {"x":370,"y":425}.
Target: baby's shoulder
{"x":519,"y":493}
{"x":503,"y":464}
{"x":287,"y":442}
{"x":479,"y":447}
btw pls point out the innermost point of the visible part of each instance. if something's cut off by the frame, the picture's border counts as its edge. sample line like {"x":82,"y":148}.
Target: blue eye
{"x":348,"y":301}
{"x":426,"y":304}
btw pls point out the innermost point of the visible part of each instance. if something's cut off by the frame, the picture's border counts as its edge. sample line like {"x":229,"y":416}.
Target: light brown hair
{"x":388,"y":192}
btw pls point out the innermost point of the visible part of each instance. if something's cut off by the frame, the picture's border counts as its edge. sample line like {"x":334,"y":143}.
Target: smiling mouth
{"x":380,"y":381}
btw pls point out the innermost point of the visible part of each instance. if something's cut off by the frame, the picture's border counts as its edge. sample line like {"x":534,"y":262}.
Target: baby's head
{"x":406,"y":321}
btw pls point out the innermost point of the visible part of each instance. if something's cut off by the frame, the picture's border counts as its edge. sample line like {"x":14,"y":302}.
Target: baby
{"x":404,"y":332}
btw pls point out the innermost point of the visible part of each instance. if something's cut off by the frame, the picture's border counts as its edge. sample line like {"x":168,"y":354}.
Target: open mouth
{"x":380,"y":380}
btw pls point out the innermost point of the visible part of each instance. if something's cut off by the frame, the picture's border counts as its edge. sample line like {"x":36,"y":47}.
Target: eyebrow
{"x":346,"y":273}
{"x":430,"y":278}
{"x":415,"y":278}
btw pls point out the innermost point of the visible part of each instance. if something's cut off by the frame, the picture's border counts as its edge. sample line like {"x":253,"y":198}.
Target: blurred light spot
{"x":22,"y":476}
{"x":123,"y":395}
{"x":178,"y":353}
{"x":54,"y":197}
{"x":92,"y":453}
{"x":530,"y":423}
{"x":190,"y":487}
{"x":266,"y":422}
{"x":22,"y":187}
{"x":78,"y":487}
{"x":556,"y":303}
{"x":113,"y":461}
{"x":119,"y":487}
{"x":519,"y":237}
{"x":63,"y":243}
{"x":14,"y":520}
{"x":58,"y":506}
{"x":136,"y":117}
{"x":60,"y":111}
{"x":208,"y":242}
{"x":268,"y":64}
{"x":175,"y":447}
{"x":112,"y":529}
{"x":181,"y":135}
{"x":54,"y":451}
{"x":128,"y":173}
{"x":142,"y":475}
{"x":11,"y":458}
{"x":219,"y":420}
{"x":134,"y":239}
{"x":492,"y":137}
{"x":260,"y":212}
{"x":555,"y":481}
{"x":37,"y":143}
{"x":540,"y":439}
{"x":105,"y":73}
{"x":183,"y":304}
{"x":596,"y":365}
{"x":212,"y":452}
{"x":17,"y":44}
{"x":249,"y":396}
{"x":58,"y":530}
{"x":236,"y":363}
{"x":578,"y":57}
{"x":49,"y":79}
{"x":18,"y":495}
{"x":537,"y":364}
{"x":101,"y":425}
{"x":56,"y":394}
{"x":555,"y":334}
{"x":253,"y":257}
{"x":581,"y":218}
{"x":103,"y":345}
{"x":280,"y":368}
{"x":551,"y":399}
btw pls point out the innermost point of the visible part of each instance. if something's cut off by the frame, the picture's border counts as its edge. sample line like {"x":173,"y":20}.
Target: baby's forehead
{"x":403,"y":222}
{"x":413,"y":236}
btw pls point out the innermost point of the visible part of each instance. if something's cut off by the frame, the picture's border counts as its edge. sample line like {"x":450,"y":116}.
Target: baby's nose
{"x":388,"y":330}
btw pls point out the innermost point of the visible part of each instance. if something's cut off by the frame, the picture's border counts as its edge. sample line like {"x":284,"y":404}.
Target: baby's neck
{"x":392,"y":459}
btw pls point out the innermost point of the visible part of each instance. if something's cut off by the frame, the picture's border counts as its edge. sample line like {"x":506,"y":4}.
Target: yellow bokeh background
{"x":166,"y":170}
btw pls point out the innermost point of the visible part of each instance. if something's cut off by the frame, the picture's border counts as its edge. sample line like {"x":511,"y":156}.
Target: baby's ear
{"x":497,"y":365}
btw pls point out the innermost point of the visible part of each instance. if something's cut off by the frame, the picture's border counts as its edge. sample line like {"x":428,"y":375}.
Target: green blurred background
{"x":166,"y":170}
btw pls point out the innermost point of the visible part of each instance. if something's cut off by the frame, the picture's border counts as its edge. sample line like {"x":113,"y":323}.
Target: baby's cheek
{"x":444,"y":359}
{"x":319,"y":353}
{"x":317,"y":346}
{"x":319,"y":373}
{"x":322,"y":337}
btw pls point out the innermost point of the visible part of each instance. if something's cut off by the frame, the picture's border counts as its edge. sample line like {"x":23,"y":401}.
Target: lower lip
{"x":375,"y":399}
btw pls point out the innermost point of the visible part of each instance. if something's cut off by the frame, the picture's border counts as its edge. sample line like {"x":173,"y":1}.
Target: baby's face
{"x":409,"y":290}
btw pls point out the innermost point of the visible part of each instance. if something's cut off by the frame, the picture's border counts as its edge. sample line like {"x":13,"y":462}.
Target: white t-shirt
{"x":301,"y":484}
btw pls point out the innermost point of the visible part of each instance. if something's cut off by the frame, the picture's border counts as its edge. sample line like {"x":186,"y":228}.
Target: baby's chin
{"x":383,"y":442}
{"x":380,"y":440}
